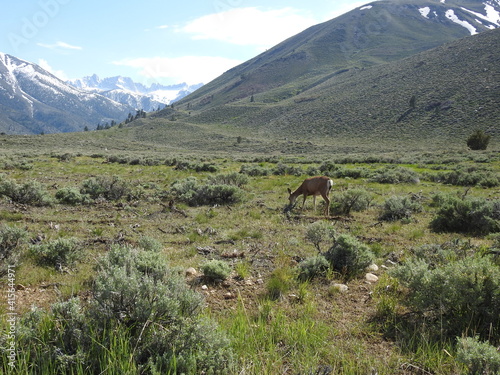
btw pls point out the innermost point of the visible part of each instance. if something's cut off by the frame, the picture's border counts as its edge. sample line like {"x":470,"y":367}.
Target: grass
{"x":276,"y":324}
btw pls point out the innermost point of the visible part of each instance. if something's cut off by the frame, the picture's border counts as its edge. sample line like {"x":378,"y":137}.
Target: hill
{"x":376,"y":33}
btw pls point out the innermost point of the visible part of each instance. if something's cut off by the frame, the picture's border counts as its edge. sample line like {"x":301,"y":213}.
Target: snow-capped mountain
{"x":33,"y":101}
{"x":137,"y":95}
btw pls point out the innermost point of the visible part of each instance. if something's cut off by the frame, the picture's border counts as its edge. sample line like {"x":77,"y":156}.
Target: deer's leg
{"x":327,"y":201}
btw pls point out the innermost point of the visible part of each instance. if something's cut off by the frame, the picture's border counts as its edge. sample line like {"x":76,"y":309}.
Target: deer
{"x":320,"y":185}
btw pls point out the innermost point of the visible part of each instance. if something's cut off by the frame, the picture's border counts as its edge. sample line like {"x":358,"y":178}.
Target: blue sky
{"x":152,"y":41}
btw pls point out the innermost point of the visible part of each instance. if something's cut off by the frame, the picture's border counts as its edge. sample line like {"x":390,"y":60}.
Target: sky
{"x":154,"y":41}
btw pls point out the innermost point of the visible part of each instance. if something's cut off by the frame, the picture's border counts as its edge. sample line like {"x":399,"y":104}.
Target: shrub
{"x":254,"y":170}
{"x":456,"y":296}
{"x":352,"y":200}
{"x":72,"y":196}
{"x":319,"y":232}
{"x":478,"y":140}
{"x":31,"y":193}
{"x":150,"y":244}
{"x":216,"y":270}
{"x":193,"y":193}
{"x":139,"y":289}
{"x":396,"y":175}
{"x":468,"y":215}
{"x":142,"y":313}
{"x":58,"y":253}
{"x":236,"y":179}
{"x":313,"y":267}
{"x":283,"y":170}
{"x":399,"y":207}
{"x":467,"y":177}
{"x":349,"y":256}
{"x":110,"y":188}
{"x":478,"y":357}
{"x":11,"y":239}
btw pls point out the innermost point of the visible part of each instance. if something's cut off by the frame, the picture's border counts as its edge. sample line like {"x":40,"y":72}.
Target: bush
{"x":319,"y":232}
{"x":236,"y":179}
{"x":216,"y":270}
{"x":254,"y":170}
{"x":58,"y":253}
{"x":313,"y":267}
{"x":110,"y":188}
{"x":478,"y":140}
{"x":400,"y":207}
{"x":139,"y":289}
{"x":479,"y":357}
{"x":196,"y":194}
{"x":396,"y":175}
{"x":150,"y":244}
{"x":11,"y":239}
{"x":352,"y":200}
{"x":468,"y":215}
{"x":455,"y":296}
{"x":349,"y":256}
{"x":283,"y":170}
{"x":72,"y":196}
{"x":31,"y":193}
{"x":467,"y":177}
{"x":142,"y":313}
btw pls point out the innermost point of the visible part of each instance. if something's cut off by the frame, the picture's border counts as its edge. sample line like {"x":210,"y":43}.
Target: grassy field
{"x":273,"y":320}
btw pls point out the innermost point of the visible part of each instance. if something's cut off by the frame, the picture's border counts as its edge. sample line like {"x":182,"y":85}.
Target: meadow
{"x":129,"y":263}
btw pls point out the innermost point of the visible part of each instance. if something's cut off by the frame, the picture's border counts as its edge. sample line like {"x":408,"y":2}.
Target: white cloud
{"x":58,"y":73}
{"x":250,"y":26}
{"x":189,"y":69}
{"x":60,"y":45}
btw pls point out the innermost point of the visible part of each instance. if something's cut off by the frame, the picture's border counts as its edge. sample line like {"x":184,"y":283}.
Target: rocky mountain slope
{"x":376,"y":33}
{"x":34,"y":101}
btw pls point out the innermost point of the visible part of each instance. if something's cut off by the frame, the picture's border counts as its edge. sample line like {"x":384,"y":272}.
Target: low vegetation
{"x":167,"y":266}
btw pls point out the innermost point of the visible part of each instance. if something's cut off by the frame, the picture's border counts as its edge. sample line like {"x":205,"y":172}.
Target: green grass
{"x":276,"y":324}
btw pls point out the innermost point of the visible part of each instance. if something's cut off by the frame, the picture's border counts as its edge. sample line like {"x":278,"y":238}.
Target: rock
{"x":260,"y":281}
{"x":371,"y":277}
{"x":191,"y":272}
{"x":229,"y":295}
{"x":342,"y":288}
{"x":372,"y":268}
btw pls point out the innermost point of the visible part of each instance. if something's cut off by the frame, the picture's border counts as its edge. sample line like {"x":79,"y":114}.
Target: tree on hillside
{"x":478,"y":140}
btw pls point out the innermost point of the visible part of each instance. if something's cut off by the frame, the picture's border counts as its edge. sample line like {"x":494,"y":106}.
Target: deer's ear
{"x":289,"y":191}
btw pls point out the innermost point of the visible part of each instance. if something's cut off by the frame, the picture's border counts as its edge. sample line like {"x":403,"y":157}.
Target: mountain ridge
{"x":32,"y":101}
{"x":375,"y":33}
{"x":135,"y":94}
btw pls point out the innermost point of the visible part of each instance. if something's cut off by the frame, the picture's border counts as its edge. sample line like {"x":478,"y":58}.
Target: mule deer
{"x":314,"y":186}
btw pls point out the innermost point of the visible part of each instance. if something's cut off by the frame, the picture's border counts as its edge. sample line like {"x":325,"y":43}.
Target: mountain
{"x":377,"y":33}
{"x":33,"y":101}
{"x":124,"y":90}
{"x":390,"y":71}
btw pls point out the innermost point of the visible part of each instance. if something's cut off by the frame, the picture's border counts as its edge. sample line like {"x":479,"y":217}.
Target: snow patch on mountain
{"x":425,"y":12}
{"x":492,"y":15}
{"x":450,"y":14}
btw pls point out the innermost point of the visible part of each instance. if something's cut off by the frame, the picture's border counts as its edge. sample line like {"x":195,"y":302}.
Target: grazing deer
{"x":313,"y":186}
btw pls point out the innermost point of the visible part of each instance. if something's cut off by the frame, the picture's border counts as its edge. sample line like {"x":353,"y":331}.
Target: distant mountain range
{"x":34,"y":101}
{"x":124,"y":90}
